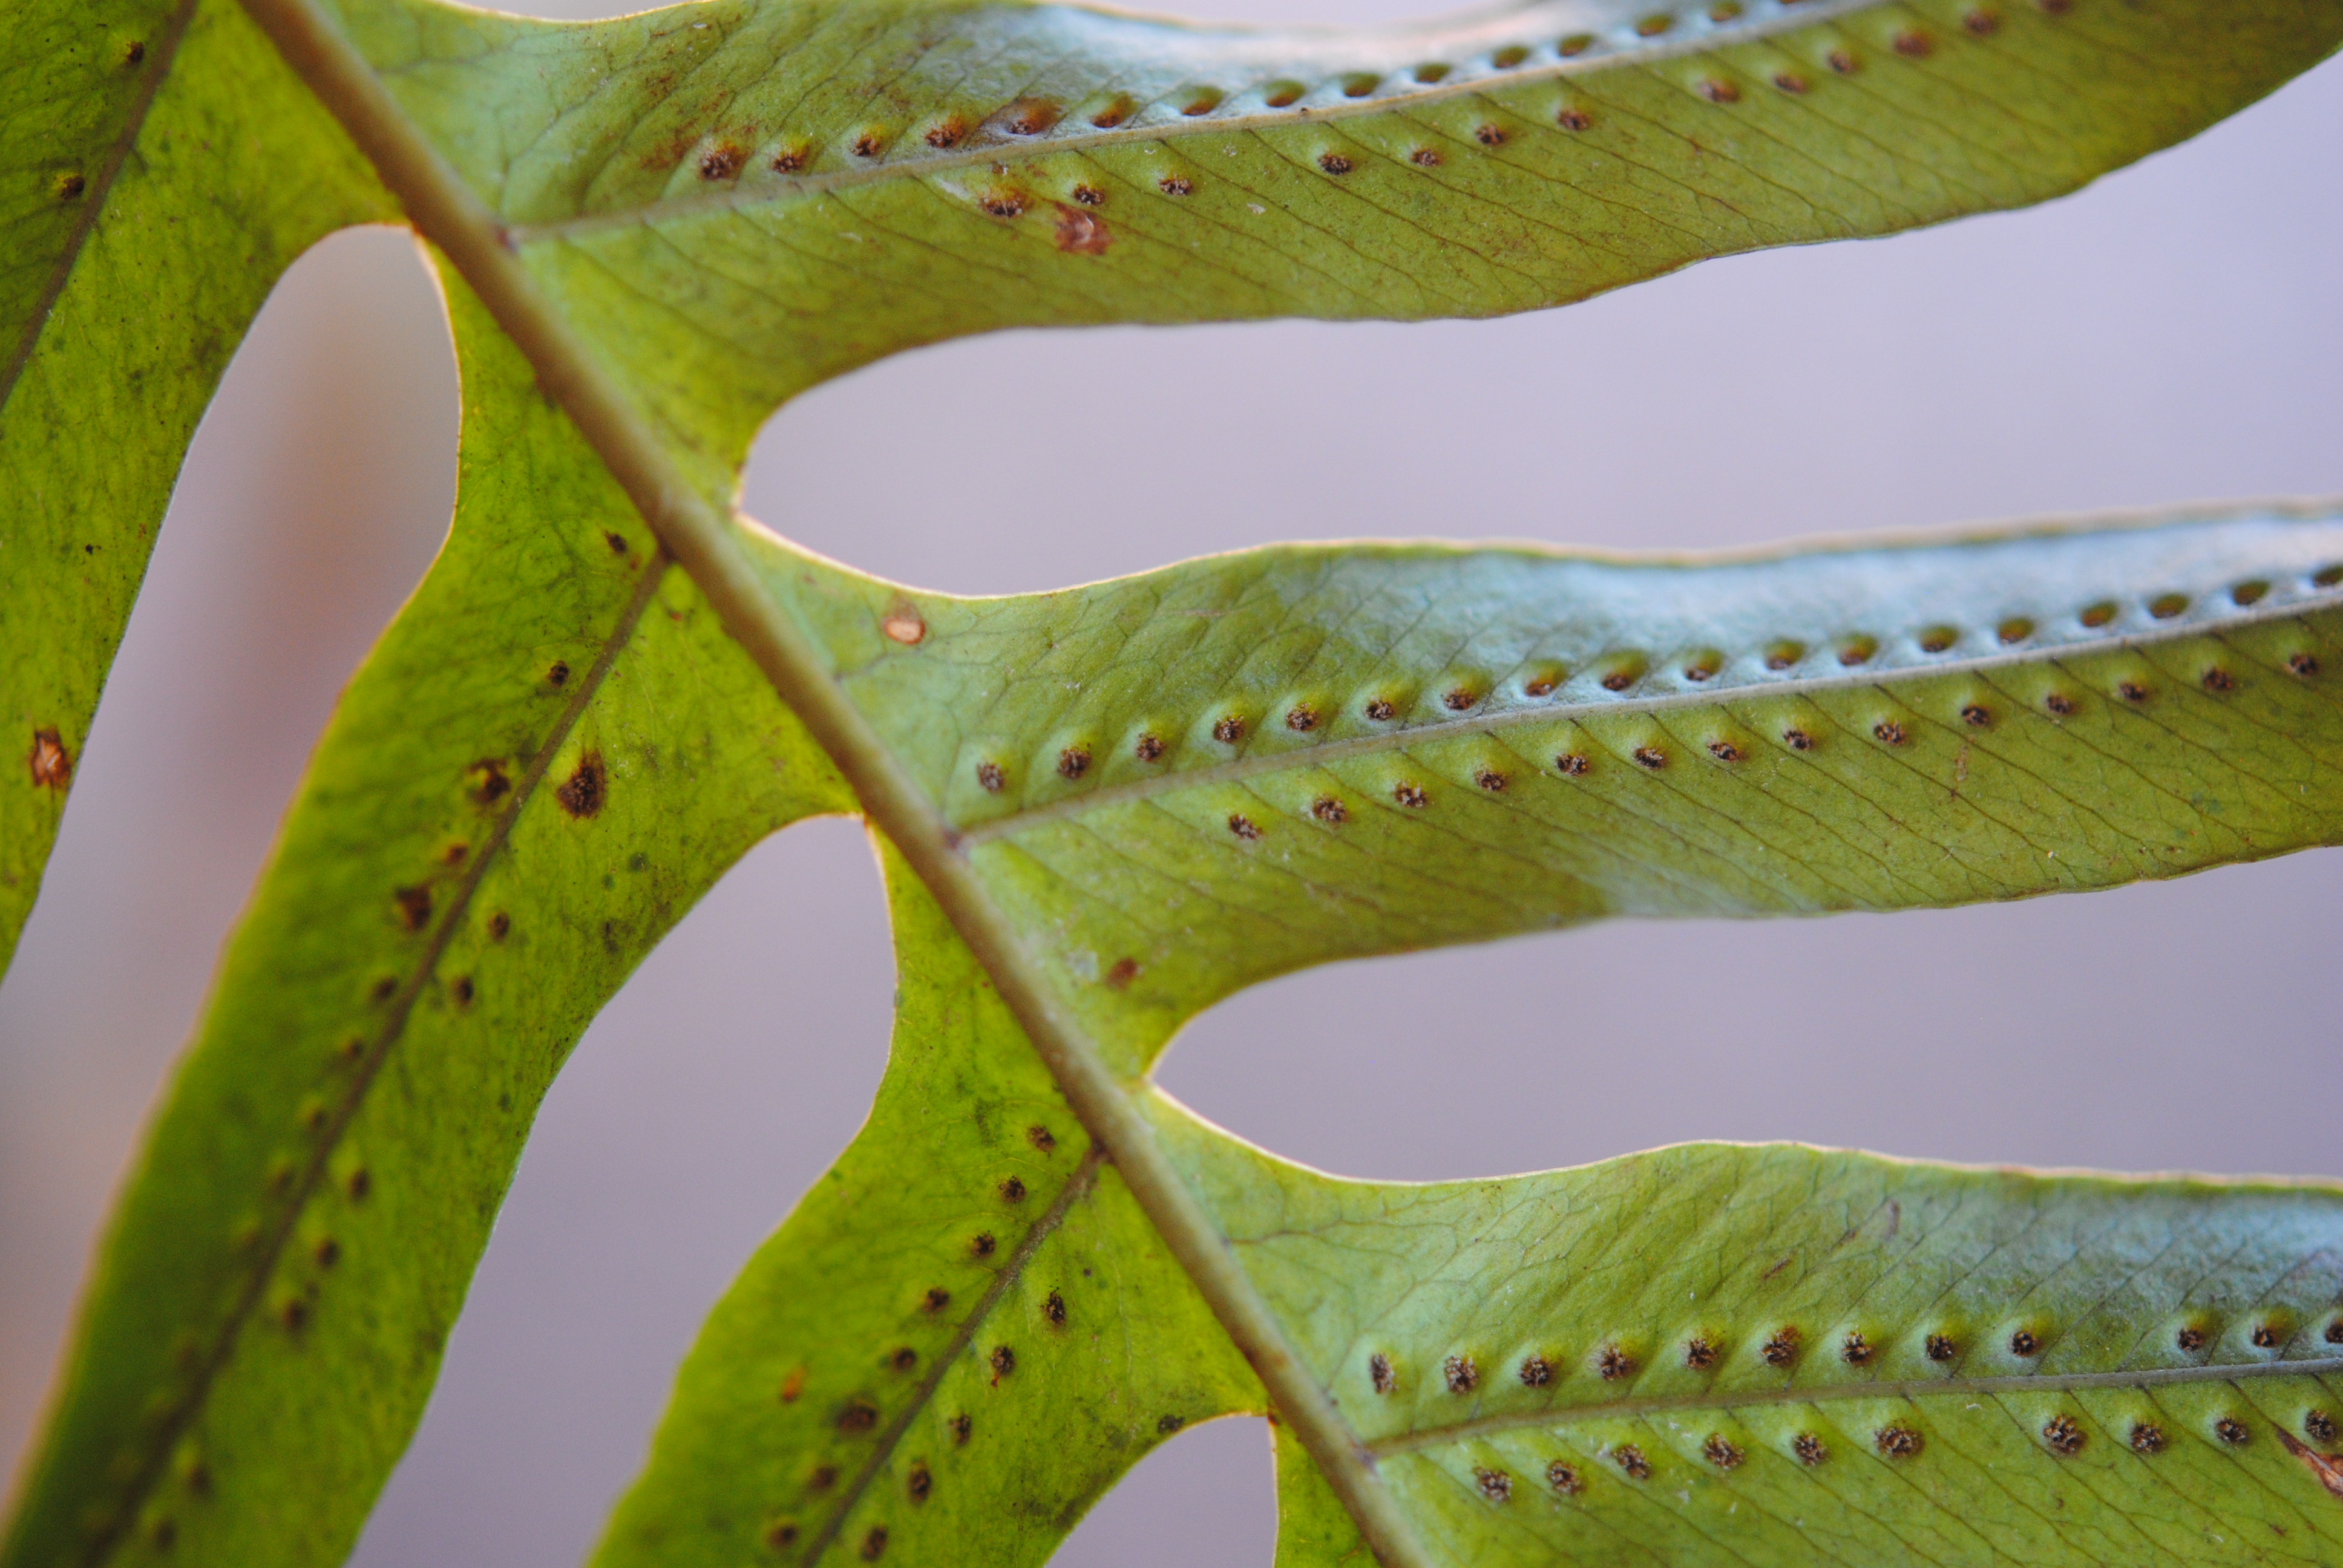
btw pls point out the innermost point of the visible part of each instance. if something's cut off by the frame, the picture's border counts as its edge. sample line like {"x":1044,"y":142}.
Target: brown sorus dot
{"x":1573,"y":118}
{"x":1617,"y":681}
{"x":1302,"y":717}
{"x":788,"y":160}
{"x":1797,"y":739}
{"x":989,"y":774}
{"x":50,"y":764}
{"x":583,"y":792}
{"x":1575,"y":45}
{"x":414,"y":907}
{"x":1857,"y":652}
{"x":1563,"y":1479}
{"x":1699,"y":1354}
{"x":1073,"y":761}
{"x":1147,"y":749}
{"x":2059,"y":703}
{"x":1380,"y":1373}
{"x":1328,"y":809}
{"x":1889,"y":732}
{"x":133,"y":52}
{"x":2146,"y":1437}
{"x":164,"y":1534}
{"x":385,"y":988}
{"x":1652,"y":26}
{"x":1492,"y":781}
{"x":1538,"y":684}
{"x":1334,"y":163}
{"x":1652,"y":757}
{"x":793,"y":1385}
{"x":1855,"y":1351}
{"x":2335,"y":1333}
{"x":1425,"y":157}
{"x":1004,"y":1361}
{"x":961,"y":1426}
{"x":945,"y":132}
{"x":558,"y":674}
{"x":2265,"y":1337}
{"x":462,"y":990}
{"x":1717,"y":90}
{"x":293,"y":1313}
{"x":1809,"y":1449}
{"x":1408,"y":795}
{"x":2025,"y":1343}
{"x":1089,"y":195}
{"x":1495,"y":1484}
{"x":982,"y":1246}
{"x":869,"y":145}
{"x":1897,"y":1441}
{"x":1124,"y":971}
{"x":1228,"y":730}
{"x":1941,"y":1348}
{"x":1536,"y":1371}
{"x":2231,"y":1430}
{"x":919,"y":1482}
{"x":935,"y":1300}
{"x":2218,"y":679}
{"x":720,"y":162}
{"x":2065,"y":1435}
{"x":1012,"y":1190}
{"x":782,"y":1536}
{"x":1382,"y":710}
{"x":1842,"y":61}
{"x":359,"y":1184}
{"x":1721,"y":1451}
{"x":823,"y":1478}
{"x":2302,"y":664}
{"x":2190,"y":1338}
{"x":2319,"y":1426}
{"x":1981,"y":23}
{"x":1613,"y":1364}
{"x":1915,"y":44}
{"x":1031,"y":118}
{"x":2098,"y":615}
{"x":1573,"y":764}
{"x":1002,"y":202}
{"x":1242,"y":826}
{"x":1489,"y":135}
{"x":1789,"y":81}
{"x":1041,"y":1138}
{"x":1724,"y":751}
{"x":1631,"y":1460}
{"x":1782,"y":1349}
{"x":858,"y":1416}
{"x":327,"y":1251}
{"x":1463,"y":1376}
{"x":905,"y":1359}
{"x":1174,"y":184}
{"x":70,"y":186}
{"x":2131,"y":691}
{"x":1168,"y":1424}
{"x":1457,"y":699}
{"x":1975,"y":715}
{"x":874,"y":1543}
{"x":1053,"y":1307}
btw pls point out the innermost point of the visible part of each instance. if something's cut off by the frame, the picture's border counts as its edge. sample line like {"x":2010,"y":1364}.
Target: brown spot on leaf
{"x":1889,"y":732}
{"x":1797,"y":739}
{"x":1915,"y":44}
{"x":1334,"y":163}
{"x":1244,"y":827}
{"x":1380,"y":1373}
{"x":945,"y":132}
{"x":1053,"y":1308}
{"x":1536,"y":1371}
{"x":1080,"y":232}
{"x":1842,"y":61}
{"x":558,"y":674}
{"x":1897,"y":1441}
{"x":1573,"y":118}
{"x":904,"y":625}
{"x":961,"y":1427}
{"x":1302,"y":717}
{"x":1175,"y":185}
{"x":2064,"y":1436}
{"x":721,"y":162}
{"x":1148,"y":748}
{"x":1724,"y":751}
{"x":905,"y":1359}
{"x":1424,"y":158}
{"x":2218,"y":680}
{"x":1461,"y":1374}
{"x":1789,"y":82}
{"x":2319,"y":1427}
{"x":989,"y":775}
{"x":783,"y":1536}
{"x":981,"y":1247}
{"x":1003,"y":1361}
{"x":462,"y":990}
{"x":823,"y":1478}
{"x":1229,"y":730}
{"x":1650,"y":757}
{"x":1855,"y":1351}
{"x":70,"y":186}
{"x":1631,"y":1460}
{"x":1041,"y":1137}
{"x":1409,"y":796}
{"x":1495,"y":1484}
{"x":1613,"y":1364}
{"x":2231,"y":1430}
{"x":1782,"y":1349}
{"x":2303,"y":665}
{"x":1572,"y":764}
{"x":1809,"y":1449}
{"x":133,"y":52}
{"x":869,"y":145}
{"x":1012,"y":1190}
{"x":1124,"y":971}
{"x":1492,"y":781}
{"x":1717,"y":90}
{"x":1563,"y":1479}
{"x":50,"y":764}
{"x":1003,"y":202}
{"x":1168,"y":1424}
{"x":2146,"y":1437}
{"x":414,"y":907}
{"x":1382,"y":710}
{"x":874,"y":1545}
{"x":1721,"y":1451}
{"x":919,"y":1482}
{"x":1699,"y":1354}
{"x":1329,"y":810}
{"x":1073,"y":761}
{"x":793,"y":1385}
{"x":2265,"y":1336}
{"x":2059,"y":703}
{"x":1087,"y":196}
{"x":935,"y":1300}
{"x":2328,"y":1472}
{"x":790,"y":160}
{"x":858,"y":1416}
{"x":1941,"y":1348}
{"x":582,"y":793}
{"x":2025,"y":1342}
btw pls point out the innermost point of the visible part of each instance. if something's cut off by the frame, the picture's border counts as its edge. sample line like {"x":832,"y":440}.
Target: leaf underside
{"x":1168,"y":787}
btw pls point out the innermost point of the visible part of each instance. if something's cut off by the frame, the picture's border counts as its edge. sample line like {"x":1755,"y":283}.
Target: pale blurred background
{"x":2176,"y":332}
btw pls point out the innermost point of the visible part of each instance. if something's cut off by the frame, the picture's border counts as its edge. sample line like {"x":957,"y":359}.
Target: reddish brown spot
{"x":1699,"y":1354}
{"x":1012,"y":1190}
{"x":989,"y":774}
{"x":1334,"y":163}
{"x":1073,"y":761}
{"x":490,"y":784}
{"x":945,"y":132}
{"x":2264,"y":1337}
{"x":2059,"y":703}
{"x":1809,"y":1449}
{"x":1054,"y":1309}
{"x":1080,"y":232}
{"x":1302,"y":717}
{"x":1797,"y":740}
{"x":1613,"y":1364}
{"x":414,"y":907}
{"x":1242,"y":826}
{"x":1897,"y":1441}
{"x":1148,"y":748}
{"x":1842,"y":61}
{"x":1003,"y":1361}
{"x":782,"y":1536}
{"x":1409,"y":796}
{"x":2303,"y":665}
{"x":793,"y":1385}
{"x":2231,"y":1430}
{"x":1492,"y":781}
{"x":1573,"y":118}
{"x":1789,"y":82}
{"x":559,"y":675}
{"x":462,"y":990}
{"x":1489,"y":135}
{"x":1124,"y":971}
{"x":1650,"y":757}
{"x":1536,"y":1371}
{"x":1495,"y":1484}
{"x":1087,"y":196}
{"x":135,"y":52}
{"x":1382,"y":710}
{"x":1631,"y":1460}
{"x":823,"y":1478}
{"x":1002,"y":202}
{"x":2218,"y":680}
{"x":1889,"y":732}
{"x":2146,"y":1437}
{"x":1030,"y":116}
{"x":982,"y":1246}
{"x":70,"y":186}
{"x":1976,"y":716}
{"x":1782,"y":1349}
{"x":1721,"y":1451}
{"x":1617,"y":681}
{"x":790,"y":160}
{"x":1175,"y":185}
{"x":51,"y":763}
{"x":2328,"y":1471}
{"x":869,"y":145}
{"x":1573,"y":764}
{"x":1329,"y":810}
{"x":1855,"y":1351}
{"x":721,"y":162}
{"x":961,"y":1426}
{"x":1941,"y":1348}
{"x":1168,"y":1424}
{"x":2190,"y":1338}
{"x":1463,"y":1376}
{"x":2025,"y":1342}
{"x":874,"y":1545}
{"x":1717,"y":90}
{"x":1563,"y":1479}
{"x":919,"y":1482}
{"x":935,"y":1300}
{"x":1915,"y":44}
{"x":2065,"y":1435}
{"x":583,"y":792}
{"x":1380,"y":1373}
{"x":1424,"y":158}
{"x":1228,"y":730}
{"x":1724,"y":751}
{"x":327,"y":1251}
{"x":1981,"y":24}
{"x":2319,"y":1427}
{"x":360,"y":1183}
{"x":905,"y":1359}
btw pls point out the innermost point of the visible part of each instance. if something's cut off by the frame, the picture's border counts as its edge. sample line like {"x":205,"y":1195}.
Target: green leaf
{"x":551,"y":754}
{"x":1180,"y":783}
{"x":734,"y":201}
{"x":1776,"y":1354}
{"x":965,"y":1334}
{"x":159,"y":168}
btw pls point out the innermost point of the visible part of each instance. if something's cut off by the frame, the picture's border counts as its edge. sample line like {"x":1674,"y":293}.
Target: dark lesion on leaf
{"x":586,"y":788}
{"x":52,"y":765}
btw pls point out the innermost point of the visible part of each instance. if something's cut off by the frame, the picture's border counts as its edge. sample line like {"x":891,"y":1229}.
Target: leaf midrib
{"x":1139,"y":129}
{"x":165,"y":1434}
{"x":1084,"y":1175}
{"x":162,"y":53}
{"x":1907,"y":1388}
{"x":1400,"y":739}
